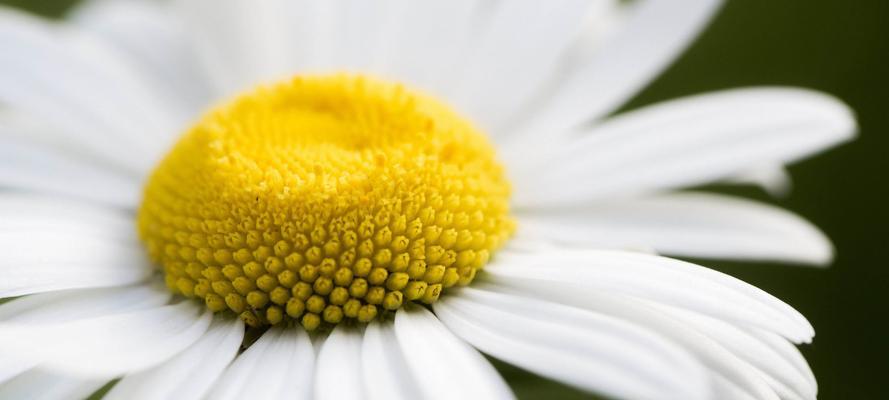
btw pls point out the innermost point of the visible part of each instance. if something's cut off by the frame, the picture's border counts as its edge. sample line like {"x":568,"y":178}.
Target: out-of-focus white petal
{"x":68,"y":77}
{"x":339,"y":375}
{"x":425,"y":43}
{"x":277,"y":366}
{"x":681,"y":143}
{"x":658,"y":279}
{"x":652,"y":35}
{"x":685,"y":224}
{"x":72,"y":305}
{"x":45,"y":170}
{"x":190,"y":374}
{"x":385,"y":372}
{"x":241,"y":43}
{"x":154,"y":42}
{"x":591,"y":351}
{"x":520,"y":48}
{"x":774,"y":179}
{"x":114,"y":344}
{"x":39,"y":384}
{"x":54,"y":245}
{"x":444,"y":366}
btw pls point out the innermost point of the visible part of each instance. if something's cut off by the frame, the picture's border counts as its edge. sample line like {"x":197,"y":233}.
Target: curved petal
{"x":458,"y":371}
{"x":653,"y":34}
{"x":114,"y":344}
{"x":588,"y":350}
{"x":72,"y":305}
{"x":722,"y":349}
{"x":45,"y":170}
{"x":38,"y":384}
{"x":781,"y":372}
{"x":52,"y":245}
{"x":190,"y":374}
{"x":240,"y":43}
{"x":657,"y":279}
{"x":277,"y":366}
{"x":339,"y":375}
{"x":62,"y":75}
{"x":153,"y":40}
{"x":686,"y":224}
{"x":385,"y":372}
{"x":686,"y":142}
{"x":520,"y":48}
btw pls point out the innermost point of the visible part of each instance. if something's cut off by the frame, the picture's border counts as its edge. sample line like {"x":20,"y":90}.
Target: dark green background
{"x":840,"y":47}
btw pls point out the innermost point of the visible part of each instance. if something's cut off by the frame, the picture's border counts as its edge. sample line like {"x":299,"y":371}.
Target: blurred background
{"x":839,"y":47}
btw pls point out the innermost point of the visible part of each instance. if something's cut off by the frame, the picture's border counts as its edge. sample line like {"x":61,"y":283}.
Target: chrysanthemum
{"x":440,"y":179}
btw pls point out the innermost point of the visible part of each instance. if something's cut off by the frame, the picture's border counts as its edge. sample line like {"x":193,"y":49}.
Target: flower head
{"x":382,"y":192}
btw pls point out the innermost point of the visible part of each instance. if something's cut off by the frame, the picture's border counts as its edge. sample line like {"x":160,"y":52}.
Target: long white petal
{"x":72,"y":305}
{"x":591,"y":351}
{"x":425,"y":43}
{"x":154,"y":41}
{"x":781,"y":372}
{"x":39,"y":384}
{"x":685,"y":224}
{"x":240,"y":44}
{"x":62,"y":75}
{"x":113,"y":344}
{"x":652,"y":36}
{"x":46,"y":170}
{"x":277,"y":366}
{"x":385,"y":372}
{"x":190,"y":374}
{"x":520,"y":48}
{"x":730,"y":377}
{"x":55,"y":245}
{"x":339,"y":375}
{"x":659,"y":279}
{"x":446,"y":367}
{"x":686,"y":142}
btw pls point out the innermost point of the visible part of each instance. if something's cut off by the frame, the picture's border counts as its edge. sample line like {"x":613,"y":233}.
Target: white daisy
{"x":313,"y":205}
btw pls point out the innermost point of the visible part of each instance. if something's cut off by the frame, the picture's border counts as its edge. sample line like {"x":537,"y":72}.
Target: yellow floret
{"x":323,"y":199}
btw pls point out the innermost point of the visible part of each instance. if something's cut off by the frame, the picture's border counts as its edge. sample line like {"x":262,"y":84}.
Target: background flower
{"x":839,"y":48}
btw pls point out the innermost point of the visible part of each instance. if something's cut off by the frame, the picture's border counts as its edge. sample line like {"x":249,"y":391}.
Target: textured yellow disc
{"x":323,"y":199}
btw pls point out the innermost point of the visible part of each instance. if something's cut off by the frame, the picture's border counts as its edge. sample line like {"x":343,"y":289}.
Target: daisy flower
{"x":356,"y":199}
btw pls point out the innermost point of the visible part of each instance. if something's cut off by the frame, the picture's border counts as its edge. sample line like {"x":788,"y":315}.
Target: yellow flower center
{"x":322,"y":199}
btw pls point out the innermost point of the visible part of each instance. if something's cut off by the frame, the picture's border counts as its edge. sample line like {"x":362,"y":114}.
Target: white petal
{"x":38,"y":384}
{"x":732,"y":378}
{"x":45,"y":170}
{"x":113,"y":344}
{"x":277,"y":366}
{"x":72,"y":305}
{"x":774,"y":179}
{"x":385,"y":372}
{"x":652,"y":36}
{"x":339,"y":375}
{"x":80,"y":83}
{"x":520,"y":48}
{"x":154,"y":42}
{"x":241,"y":43}
{"x":190,"y":374}
{"x":425,"y":43}
{"x":53,"y":245}
{"x":591,"y":351}
{"x":686,"y":142}
{"x":11,"y":367}
{"x":780,"y":372}
{"x":658,"y":279}
{"x":444,"y":366}
{"x":685,"y":224}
